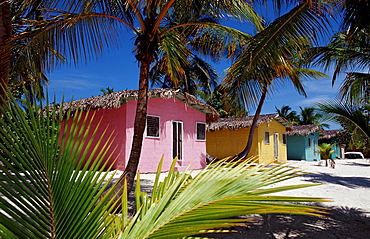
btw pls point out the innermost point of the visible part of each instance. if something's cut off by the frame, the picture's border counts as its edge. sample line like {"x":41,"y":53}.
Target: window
{"x":201,"y":131}
{"x":283,"y":138}
{"x":152,"y":126}
{"x":177,"y":139}
{"x":267,"y":137}
{"x":276,"y":145}
{"x":309,"y":142}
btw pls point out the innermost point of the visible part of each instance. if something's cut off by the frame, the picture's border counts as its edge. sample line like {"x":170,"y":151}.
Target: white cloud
{"x":312,"y":101}
{"x":320,"y":86}
{"x":78,"y":84}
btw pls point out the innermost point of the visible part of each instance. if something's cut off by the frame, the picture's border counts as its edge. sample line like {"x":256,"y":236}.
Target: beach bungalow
{"x":332,"y":137}
{"x":302,"y":142}
{"x":228,"y":137}
{"x":176,"y":126}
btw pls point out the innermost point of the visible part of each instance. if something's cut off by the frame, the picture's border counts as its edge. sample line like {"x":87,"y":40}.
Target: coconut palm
{"x":199,"y":78}
{"x":107,"y":90}
{"x":355,"y":18}
{"x":351,"y":57}
{"x":273,"y":56}
{"x":289,"y":114}
{"x":222,"y":104}
{"x":325,"y":151}
{"x":24,"y":62}
{"x":5,"y":51}
{"x":309,"y":115}
{"x":90,"y":24}
{"x":357,"y":114}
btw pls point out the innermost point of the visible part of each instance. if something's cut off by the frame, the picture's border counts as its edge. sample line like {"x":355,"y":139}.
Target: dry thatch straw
{"x":246,"y":121}
{"x":305,"y":130}
{"x":116,"y":99}
{"x":328,"y":134}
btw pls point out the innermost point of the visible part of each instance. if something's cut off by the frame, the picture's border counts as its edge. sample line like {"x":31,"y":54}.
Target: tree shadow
{"x":340,"y":223}
{"x":356,"y":164}
{"x":351,"y":182}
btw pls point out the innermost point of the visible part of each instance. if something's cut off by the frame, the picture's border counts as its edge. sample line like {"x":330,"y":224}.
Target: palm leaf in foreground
{"x":182,"y":206}
{"x":50,"y":186}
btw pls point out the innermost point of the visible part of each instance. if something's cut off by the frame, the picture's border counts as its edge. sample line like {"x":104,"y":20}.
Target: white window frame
{"x":181,"y":156}
{"x":196,"y":131}
{"x":146,"y":127}
{"x":276,"y":145}
{"x":266,"y":140}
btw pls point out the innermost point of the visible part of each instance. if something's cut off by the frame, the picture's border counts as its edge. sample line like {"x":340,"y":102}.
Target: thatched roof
{"x":116,"y":99}
{"x":244,"y":122}
{"x":305,"y":130}
{"x":328,"y":134}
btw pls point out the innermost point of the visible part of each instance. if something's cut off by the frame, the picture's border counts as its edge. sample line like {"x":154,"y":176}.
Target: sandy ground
{"x":348,"y":186}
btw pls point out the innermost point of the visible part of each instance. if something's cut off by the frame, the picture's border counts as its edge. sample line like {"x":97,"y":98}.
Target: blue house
{"x":302,"y":141}
{"x":332,"y":137}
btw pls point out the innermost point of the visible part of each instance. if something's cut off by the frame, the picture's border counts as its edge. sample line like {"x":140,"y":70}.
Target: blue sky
{"x":118,"y":68}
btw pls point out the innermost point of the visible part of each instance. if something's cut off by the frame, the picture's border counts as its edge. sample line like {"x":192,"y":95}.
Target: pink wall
{"x":121,"y":121}
{"x":153,"y":148}
{"x":110,"y":121}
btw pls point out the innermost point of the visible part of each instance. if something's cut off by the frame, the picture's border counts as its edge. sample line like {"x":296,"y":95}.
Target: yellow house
{"x":228,"y":137}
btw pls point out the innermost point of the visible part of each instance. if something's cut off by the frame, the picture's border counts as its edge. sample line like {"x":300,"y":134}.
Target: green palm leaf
{"x":51,"y":176}
{"x":357,"y":114}
{"x":183,"y":205}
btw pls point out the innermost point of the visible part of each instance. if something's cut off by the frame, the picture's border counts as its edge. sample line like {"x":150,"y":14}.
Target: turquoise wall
{"x":299,"y":149}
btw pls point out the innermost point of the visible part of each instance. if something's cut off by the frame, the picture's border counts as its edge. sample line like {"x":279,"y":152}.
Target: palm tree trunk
{"x":253,"y":127}
{"x":137,"y":140}
{"x":5,"y":50}
{"x":139,"y":125}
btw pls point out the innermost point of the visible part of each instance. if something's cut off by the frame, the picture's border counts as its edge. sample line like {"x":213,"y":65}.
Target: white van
{"x":353,"y":155}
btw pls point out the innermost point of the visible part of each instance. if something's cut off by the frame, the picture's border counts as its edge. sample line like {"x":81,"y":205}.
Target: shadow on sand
{"x":351,"y":182}
{"x":340,"y":223}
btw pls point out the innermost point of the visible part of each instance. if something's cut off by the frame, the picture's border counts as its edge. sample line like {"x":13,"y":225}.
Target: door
{"x":276,"y":145}
{"x":177,"y":139}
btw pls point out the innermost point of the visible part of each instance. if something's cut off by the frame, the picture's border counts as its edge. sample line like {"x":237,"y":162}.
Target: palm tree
{"x":199,"y":77}
{"x":23,"y":62}
{"x":5,"y":51}
{"x":351,"y":57}
{"x":107,"y":90}
{"x":222,"y":104}
{"x":325,"y":151}
{"x":273,"y":55}
{"x":289,"y":114}
{"x":309,"y":115}
{"x":90,"y":24}
{"x":355,"y":19}
{"x":357,"y":114}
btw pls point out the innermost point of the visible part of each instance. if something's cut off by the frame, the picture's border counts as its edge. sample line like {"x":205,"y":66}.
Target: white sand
{"x":347,"y":185}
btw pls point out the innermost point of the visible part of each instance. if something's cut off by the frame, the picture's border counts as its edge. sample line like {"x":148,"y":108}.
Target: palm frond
{"x":352,"y":112}
{"x":270,"y":54}
{"x":355,"y":88}
{"x":208,"y":200}
{"x":51,"y":177}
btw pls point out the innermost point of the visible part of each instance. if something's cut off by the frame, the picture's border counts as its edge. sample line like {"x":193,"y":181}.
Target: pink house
{"x":176,"y":124}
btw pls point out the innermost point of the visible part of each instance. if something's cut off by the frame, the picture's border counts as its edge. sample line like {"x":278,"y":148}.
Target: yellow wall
{"x":266,"y":151}
{"x":224,"y":143}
